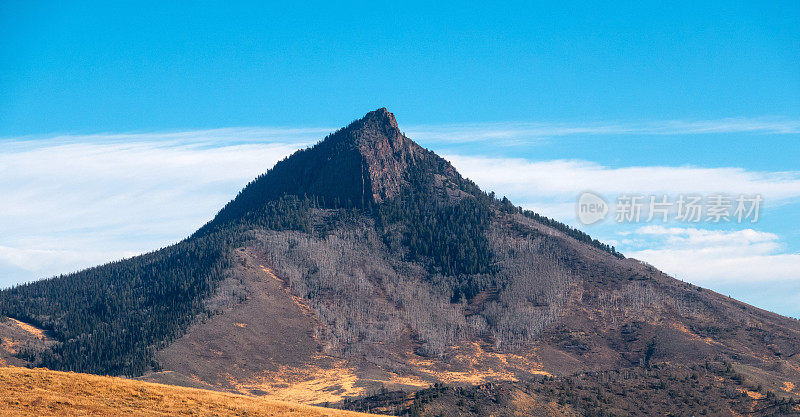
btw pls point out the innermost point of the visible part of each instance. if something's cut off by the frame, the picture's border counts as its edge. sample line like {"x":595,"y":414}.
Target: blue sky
{"x":125,"y":126}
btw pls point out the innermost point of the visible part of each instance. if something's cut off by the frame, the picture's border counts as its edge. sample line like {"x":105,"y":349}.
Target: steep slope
{"x":359,"y":165}
{"x":367,"y":261}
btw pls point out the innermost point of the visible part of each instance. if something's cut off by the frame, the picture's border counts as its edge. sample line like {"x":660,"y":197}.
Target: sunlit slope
{"x":40,"y":392}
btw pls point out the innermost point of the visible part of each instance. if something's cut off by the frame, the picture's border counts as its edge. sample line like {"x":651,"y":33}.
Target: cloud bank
{"x":701,"y":255}
{"x":570,"y":177}
{"x":72,"y":203}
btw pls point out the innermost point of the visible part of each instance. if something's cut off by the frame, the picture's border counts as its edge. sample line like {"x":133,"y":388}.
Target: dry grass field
{"x":40,"y":392}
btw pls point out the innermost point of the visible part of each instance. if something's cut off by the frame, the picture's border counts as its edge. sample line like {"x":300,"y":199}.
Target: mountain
{"x":367,"y":264}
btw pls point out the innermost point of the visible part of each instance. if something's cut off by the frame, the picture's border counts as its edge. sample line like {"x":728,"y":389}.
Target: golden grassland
{"x":41,"y":392}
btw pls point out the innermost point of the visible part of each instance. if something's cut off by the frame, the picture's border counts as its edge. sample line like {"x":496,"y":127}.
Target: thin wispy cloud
{"x":68,"y":204}
{"x":460,"y":132}
{"x":567,"y":178}
{"x":298,"y":137}
{"x":527,"y":131}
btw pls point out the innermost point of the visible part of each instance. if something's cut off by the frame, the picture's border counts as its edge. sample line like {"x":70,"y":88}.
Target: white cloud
{"x":210,"y":137}
{"x":693,"y":237}
{"x":570,"y":177}
{"x":71,"y":203}
{"x":40,"y":260}
{"x":551,"y":187}
{"x":701,"y":255}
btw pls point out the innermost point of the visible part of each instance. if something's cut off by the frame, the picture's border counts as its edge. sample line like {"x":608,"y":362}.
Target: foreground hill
{"x":367,"y":262}
{"x":40,"y":392}
{"x":710,"y":389}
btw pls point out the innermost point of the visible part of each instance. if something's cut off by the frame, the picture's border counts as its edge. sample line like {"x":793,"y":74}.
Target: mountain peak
{"x":382,"y":116}
{"x":370,"y":161}
{"x":376,"y":131}
{"x":363,"y":163}
{"x":383,"y":151}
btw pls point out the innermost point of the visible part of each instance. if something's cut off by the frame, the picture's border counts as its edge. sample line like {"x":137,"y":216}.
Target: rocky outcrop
{"x":386,"y":153}
{"x":361,"y":164}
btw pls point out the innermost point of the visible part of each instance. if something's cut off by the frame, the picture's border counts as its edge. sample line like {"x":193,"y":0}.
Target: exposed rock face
{"x":365,"y":161}
{"x":386,"y":152}
{"x":361,"y":164}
